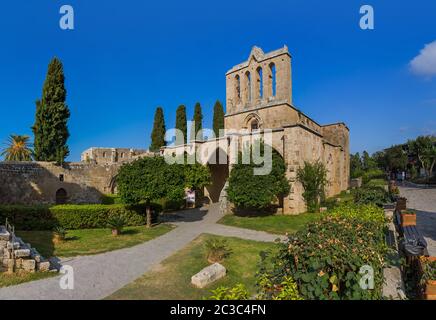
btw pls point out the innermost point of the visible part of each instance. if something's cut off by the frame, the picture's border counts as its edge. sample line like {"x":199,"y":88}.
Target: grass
{"x":278,"y":224}
{"x":17,"y":278}
{"x":172,"y":278}
{"x":377,"y":183}
{"x":90,"y":241}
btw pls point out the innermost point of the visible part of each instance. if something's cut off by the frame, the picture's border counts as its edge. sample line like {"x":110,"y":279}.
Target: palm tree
{"x":18,"y":149}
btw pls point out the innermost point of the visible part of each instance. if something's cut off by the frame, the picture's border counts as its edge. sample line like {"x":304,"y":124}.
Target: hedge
{"x":70,"y":216}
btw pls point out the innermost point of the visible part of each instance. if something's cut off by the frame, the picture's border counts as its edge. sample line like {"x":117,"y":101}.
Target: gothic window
{"x":248,"y":81}
{"x":254,"y":125}
{"x":238,"y":87}
{"x":259,"y":82}
{"x":273,"y":80}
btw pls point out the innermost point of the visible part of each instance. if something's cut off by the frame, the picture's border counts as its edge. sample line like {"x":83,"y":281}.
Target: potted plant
{"x":408,"y":218}
{"x":59,"y":234}
{"x":217,"y":250}
{"x":401,"y":204}
{"x":116,"y":223}
{"x":428,"y":277}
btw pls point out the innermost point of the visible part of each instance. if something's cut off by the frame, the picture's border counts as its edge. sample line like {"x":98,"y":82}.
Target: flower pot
{"x":430,"y":290}
{"x":429,"y":287}
{"x":401,"y":204}
{"x":408,"y":219}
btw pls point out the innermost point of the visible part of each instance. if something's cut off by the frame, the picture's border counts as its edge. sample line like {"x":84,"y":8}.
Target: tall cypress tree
{"x":197,"y":122}
{"x":52,"y":114}
{"x":158,"y":133}
{"x":181,"y":121}
{"x":218,"y":118}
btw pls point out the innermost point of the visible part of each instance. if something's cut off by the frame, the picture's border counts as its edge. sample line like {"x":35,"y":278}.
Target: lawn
{"x":90,"y":241}
{"x":17,"y":278}
{"x":278,"y":224}
{"x":172,"y":278}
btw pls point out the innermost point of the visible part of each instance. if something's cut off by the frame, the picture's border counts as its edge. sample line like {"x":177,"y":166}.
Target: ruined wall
{"x":111,"y":155}
{"x":40,"y":182}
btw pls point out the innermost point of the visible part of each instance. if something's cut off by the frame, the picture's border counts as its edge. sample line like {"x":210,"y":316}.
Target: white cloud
{"x":425,"y":63}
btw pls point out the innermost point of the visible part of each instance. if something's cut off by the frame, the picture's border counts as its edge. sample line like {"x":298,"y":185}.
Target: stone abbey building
{"x":258,"y":99}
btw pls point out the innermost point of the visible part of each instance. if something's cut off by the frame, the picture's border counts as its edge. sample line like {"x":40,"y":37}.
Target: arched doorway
{"x":219,"y":170}
{"x":61,"y":196}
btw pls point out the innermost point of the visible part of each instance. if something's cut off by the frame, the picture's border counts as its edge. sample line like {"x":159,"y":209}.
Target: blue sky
{"x":124,"y":58}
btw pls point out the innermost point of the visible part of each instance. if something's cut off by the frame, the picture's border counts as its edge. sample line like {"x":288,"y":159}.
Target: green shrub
{"x":371,"y":195}
{"x":373,"y":174}
{"x":117,"y":222}
{"x":111,"y":199}
{"x":239,"y":292}
{"x":217,"y":250}
{"x":313,"y":178}
{"x":363,"y":212}
{"x":376,"y":183}
{"x":71,"y":216}
{"x":286,"y":290}
{"x":325,"y":258}
{"x":60,"y":232}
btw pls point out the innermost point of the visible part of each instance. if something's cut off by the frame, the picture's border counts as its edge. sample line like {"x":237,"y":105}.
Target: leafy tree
{"x":52,"y":114}
{"x":197,"y":123}
{"x":313,"y":177}
{"x":356,"y":169}
{"x":218,"y":118}
{"x":396,"y":158}
{"x":368,"y":162}
{"x":150,"y":179}
{"x":425,"y":149}
{"x":181,"y":121}
{"x":17,"y":149}
{"x":249,"y":191}
{"x":158,"y":133}
{"x":197,"y":176}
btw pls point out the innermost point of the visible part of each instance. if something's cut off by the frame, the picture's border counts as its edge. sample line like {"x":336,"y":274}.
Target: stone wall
{"x":111,"y":155}
{"x":43,"y":182}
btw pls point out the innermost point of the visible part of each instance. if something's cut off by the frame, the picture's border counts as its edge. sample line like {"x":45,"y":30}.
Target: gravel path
{"x":98,"y":276}
{"x":423,"y":200}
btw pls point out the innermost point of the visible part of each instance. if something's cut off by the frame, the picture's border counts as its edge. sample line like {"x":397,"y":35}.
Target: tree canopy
{"x":218,"y":118}
{"x":158,"y":133}
{"x":18,"y":149}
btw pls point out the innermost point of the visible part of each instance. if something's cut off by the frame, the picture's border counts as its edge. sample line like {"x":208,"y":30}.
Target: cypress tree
{"x":158,"y":133}
{"x":197,"y":122}
{"x":181,"y":121}
{"x":218,"y":118}
{"x":50,"y":128}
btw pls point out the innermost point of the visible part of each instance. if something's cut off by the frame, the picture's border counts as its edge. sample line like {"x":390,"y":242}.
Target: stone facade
{"x":111,"y":155}
{"x":47,"y":183}
{"x":259,"y":99}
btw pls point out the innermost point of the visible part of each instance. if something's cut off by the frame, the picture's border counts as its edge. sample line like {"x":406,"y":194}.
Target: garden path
{"x":98,"y":276}
{"x":423,"y":200}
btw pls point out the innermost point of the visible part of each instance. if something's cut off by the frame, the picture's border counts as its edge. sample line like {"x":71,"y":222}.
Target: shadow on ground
{"x":190,"y":215}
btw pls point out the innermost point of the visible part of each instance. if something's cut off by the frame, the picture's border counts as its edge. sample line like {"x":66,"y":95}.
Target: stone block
{"x":3,"y":244}
{"x":22,"y":253}
{"x":43,"y":266}
{"x":208,"y":275}
{"x":34,"y":254}
{"x":4,"y":234}
{"x":6,"y":254}
{"x":13,"y":245}
{"x":28,"y":265}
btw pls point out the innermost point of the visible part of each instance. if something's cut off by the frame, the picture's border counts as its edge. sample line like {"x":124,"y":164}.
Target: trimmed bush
{"x":364,"y":212}
{"x":371,"y":195}
{"x":71,"y":216}
{"x":111,"y":199}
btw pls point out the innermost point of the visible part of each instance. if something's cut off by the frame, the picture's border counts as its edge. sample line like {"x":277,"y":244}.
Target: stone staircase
{"x":15,"y":255}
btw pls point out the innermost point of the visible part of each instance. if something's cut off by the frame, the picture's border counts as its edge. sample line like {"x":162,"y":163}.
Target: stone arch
{"x":61,"y":196}
{"x":219,"y":174}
